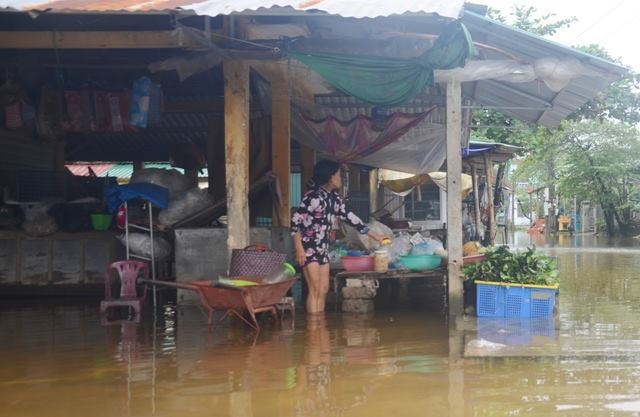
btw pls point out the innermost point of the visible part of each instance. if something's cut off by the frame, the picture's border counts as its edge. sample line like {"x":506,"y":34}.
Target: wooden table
{"x":340,"y":276}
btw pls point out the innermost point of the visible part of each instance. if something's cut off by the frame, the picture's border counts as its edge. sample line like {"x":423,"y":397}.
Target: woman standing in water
{"x":311,"y":225}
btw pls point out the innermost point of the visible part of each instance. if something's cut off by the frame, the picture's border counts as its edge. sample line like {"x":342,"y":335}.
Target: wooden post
{"x":476,"y":200}
{"x":236,"y":145}
{"x":488,"y":167}
{"x":454,"y":201}
{"x":281,"y":148}
{"x":374,"y":191}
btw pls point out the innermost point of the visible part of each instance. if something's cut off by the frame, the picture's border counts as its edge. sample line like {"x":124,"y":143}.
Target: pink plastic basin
{"x":357,"y":263}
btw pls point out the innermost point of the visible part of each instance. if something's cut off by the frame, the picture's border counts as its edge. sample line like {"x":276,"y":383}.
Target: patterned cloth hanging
{"x":361,"y":136}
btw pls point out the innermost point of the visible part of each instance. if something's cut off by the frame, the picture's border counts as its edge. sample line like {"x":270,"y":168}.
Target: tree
{"x":573,"y":156}
{"x":526,"y":18}
{"x":494,"y":126}
{"x":602,"y":164}
{"x":541,"y":163}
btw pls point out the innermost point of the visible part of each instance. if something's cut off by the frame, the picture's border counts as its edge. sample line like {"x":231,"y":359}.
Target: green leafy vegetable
{"x":503,"y":265}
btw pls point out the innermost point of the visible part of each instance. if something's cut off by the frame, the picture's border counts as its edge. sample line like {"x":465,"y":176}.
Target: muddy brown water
{"x":58,"y":359}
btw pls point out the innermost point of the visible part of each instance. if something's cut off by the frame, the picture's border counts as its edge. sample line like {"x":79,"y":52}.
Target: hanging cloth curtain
{"x":360,"y":136}
{"x":391,"y":81}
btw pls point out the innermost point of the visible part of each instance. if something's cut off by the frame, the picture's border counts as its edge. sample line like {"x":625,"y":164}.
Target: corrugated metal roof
{"x":84,"y":169}
{"x":125,"y":170}
{"x":534,"y":102}
{"x":154,"y":143}
{"x":149,"y":144}
{"x":345,"y":8}
{"x":121,"y":170}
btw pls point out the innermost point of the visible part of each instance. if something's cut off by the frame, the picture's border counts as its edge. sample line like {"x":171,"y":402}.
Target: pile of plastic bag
{"x":403,"y":243}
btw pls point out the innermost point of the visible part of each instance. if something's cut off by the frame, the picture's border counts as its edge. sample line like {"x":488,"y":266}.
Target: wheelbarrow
{"x":236,"y":300}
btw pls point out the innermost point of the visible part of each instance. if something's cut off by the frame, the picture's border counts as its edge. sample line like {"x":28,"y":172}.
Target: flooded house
{"x":256,"y":95}
{"x":245,"y":97}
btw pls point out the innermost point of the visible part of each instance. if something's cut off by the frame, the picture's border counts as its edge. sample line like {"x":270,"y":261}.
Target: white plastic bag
{"x":140,"y":244}
{"x":399,"y":246}
{"x":183,"y":206}
{"x":428,"y":246}
{"x":37,"y":221}
{"x":171,"y":179}
{"x":355,"y":239}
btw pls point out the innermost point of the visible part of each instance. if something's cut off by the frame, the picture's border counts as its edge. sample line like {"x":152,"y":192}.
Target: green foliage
{"x":542,"y":157}
{"x":493,"y":126}
{"x":621,"y":101}
{"x":527,"y":18}
{"x":593,"y":155}
{"x":503,"y":265}
{"x":602,"y":164}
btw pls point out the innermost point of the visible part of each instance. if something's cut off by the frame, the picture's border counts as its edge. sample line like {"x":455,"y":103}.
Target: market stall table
{"x":340,"y":277}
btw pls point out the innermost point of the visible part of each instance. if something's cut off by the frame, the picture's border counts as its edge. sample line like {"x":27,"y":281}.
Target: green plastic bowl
{"x":420,"y":262}
{"x":101,"y":221}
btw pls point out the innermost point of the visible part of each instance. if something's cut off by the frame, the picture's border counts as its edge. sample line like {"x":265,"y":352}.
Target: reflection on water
{"x":60,"y":360}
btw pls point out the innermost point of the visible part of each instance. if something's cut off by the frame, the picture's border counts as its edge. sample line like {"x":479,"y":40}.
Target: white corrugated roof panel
{"x":346,"y":8}
{"x":533,"y":102}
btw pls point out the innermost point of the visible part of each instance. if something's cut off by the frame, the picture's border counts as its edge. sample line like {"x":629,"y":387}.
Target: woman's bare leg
{"x":324,"y":286}
{"x":317,"y":277}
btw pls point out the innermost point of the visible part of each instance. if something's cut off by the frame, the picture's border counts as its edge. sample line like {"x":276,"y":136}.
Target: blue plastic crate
{"x":495,"y":299}
{"x":489,"y":300}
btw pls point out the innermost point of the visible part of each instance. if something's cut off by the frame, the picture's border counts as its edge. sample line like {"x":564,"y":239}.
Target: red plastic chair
{"x":128,"y":273}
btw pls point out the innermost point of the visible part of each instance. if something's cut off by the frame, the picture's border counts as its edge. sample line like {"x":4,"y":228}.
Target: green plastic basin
{"x":420,"y":262}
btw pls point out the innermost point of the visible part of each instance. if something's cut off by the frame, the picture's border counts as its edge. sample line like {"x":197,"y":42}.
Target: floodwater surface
{"x":59,"y":359}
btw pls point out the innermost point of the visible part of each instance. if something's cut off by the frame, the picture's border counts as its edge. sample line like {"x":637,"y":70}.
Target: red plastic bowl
{"x":357,"y":263}
{"x":471,"y":259}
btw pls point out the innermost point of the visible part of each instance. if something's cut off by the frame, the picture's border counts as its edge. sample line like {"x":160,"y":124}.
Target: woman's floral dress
{"x":315,"y":217}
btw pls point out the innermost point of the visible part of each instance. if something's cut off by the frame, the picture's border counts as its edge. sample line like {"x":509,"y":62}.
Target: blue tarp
{"x":118,"y":194}
{"x":470,"y":151}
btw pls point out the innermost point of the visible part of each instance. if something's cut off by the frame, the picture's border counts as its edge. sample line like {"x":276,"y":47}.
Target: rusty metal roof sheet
{"x":345,"y":8}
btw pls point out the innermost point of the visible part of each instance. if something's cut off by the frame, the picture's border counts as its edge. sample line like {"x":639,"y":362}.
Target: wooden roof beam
{"x":152,"y":39}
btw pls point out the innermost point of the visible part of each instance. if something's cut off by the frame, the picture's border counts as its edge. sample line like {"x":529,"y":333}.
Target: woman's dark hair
{"x":324,"y":170}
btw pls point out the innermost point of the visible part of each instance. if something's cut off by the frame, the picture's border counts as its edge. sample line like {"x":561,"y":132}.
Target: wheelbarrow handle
{"x":180,"y":285}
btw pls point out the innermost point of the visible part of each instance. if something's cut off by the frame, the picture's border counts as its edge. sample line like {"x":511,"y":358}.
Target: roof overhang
{"x":402,"y":32}
{"x":534,"y":101}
